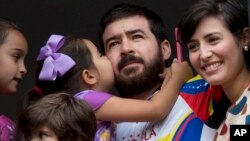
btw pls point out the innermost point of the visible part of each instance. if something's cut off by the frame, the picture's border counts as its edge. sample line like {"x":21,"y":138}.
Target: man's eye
{"x":112,"y":44}
{"x":137,"y":37}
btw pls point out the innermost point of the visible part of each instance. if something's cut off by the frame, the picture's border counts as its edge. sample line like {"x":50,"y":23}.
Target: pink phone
{"x":178,"y":47}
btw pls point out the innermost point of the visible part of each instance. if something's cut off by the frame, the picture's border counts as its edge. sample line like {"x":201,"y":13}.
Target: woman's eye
{"x":213,"y":40}
{"x":192,"y":46}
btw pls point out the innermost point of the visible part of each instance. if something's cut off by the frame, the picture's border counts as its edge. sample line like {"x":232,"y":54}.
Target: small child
{"x":75,"y":66}
{"x":58,"y":117}
{"x":13,"y":50}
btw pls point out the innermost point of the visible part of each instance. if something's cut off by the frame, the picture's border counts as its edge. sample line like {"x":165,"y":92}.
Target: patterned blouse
{"x":238,"y":113}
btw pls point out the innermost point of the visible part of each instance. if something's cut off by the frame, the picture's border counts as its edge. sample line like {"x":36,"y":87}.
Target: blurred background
{"x":40,"y":18}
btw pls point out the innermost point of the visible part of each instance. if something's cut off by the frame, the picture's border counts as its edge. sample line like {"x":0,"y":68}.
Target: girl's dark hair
{"x":231,"y":12}
{"x":7,"y":25}
{"x":71,"y":119}
{"x":76,"y":49}
{"x":70,"y":82}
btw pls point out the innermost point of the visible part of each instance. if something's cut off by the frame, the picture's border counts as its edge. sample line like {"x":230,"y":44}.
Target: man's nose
{"x":127,"y":47}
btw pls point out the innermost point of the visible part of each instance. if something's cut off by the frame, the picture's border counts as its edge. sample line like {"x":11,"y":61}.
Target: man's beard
{"x":132,"y":86}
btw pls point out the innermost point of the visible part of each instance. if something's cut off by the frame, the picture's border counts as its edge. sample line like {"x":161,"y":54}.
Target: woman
{"x":216,"y":34}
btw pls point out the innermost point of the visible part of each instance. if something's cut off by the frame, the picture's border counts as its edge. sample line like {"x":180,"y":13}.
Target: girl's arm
{"x":123,"y":109}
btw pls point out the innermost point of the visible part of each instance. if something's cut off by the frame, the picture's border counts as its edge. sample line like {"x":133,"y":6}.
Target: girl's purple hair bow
{"x":54,"y":63}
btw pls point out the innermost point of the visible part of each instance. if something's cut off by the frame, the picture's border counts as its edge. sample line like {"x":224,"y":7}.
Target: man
{"x":135,"y":40}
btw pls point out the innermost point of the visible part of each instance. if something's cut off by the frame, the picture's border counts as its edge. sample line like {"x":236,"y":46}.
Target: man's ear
{"x":166,"y":49}
{"x":88,"y":77}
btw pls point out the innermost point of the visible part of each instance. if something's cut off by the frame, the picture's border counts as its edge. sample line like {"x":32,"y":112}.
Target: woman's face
{"x":215,"y":53}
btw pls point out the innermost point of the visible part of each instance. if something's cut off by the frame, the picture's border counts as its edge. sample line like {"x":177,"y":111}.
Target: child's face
{"x":104,"y":67}
{"x":44,"y":134}
{"x":12,"y":54}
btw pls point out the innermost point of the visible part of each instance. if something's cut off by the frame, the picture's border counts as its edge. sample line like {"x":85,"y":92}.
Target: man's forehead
{"x":132,"y":20}
{"x":126,"y":25}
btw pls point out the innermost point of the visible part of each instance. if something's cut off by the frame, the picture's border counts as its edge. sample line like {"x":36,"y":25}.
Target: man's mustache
{"x":127,"y":59}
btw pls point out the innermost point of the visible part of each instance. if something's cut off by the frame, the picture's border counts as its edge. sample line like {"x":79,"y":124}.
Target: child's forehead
{"x":15,"y":41}
{"x":90,"y":45}
{"x":44,"y":128}
{"x":88,"y":42}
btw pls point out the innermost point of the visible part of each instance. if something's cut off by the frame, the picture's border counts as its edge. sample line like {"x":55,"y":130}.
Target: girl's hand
{"x":166,"y":75}
{"x":181,"y":71}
